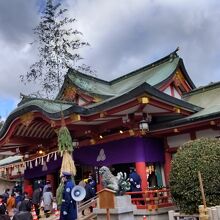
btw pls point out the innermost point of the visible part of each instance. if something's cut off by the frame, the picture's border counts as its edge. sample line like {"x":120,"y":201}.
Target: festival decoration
{"x":55,"y":156}
{"x":65,"y":147}
{"x":64,"y":140}
{"x":36,"y":162}
{"x":28,"y":164}
{"x":68,"y":163}
{"x":48,"y":158}
{"x":44,"y":168}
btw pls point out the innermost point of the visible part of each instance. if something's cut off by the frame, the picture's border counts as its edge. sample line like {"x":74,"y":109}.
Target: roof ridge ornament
{"x":173,"y":55}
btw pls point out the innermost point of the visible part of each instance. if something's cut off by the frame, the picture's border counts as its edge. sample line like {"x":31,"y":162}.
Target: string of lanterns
{"x":29,"y":164}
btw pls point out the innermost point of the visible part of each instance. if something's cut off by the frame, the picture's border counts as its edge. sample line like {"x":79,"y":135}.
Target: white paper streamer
{"x":44,"y":168}
{"x":36,"y":162}
{"x":55,"y":156}
{"x":31,"y":165}
{"x":48,"y":158}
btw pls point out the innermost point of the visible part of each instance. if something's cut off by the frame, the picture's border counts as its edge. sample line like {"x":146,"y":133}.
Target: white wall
{"x":4,"y":185}
{"x":178,"y":140}
{"x":209,"y":133}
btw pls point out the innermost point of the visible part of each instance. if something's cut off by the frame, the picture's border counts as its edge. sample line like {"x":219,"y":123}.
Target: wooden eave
{"x":177,"y":79}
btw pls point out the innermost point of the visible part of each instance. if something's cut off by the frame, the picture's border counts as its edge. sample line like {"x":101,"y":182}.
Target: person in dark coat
{"x":25,"y":204}
{"x":23,"y":216}
{"x":135,"y":181}
{"x":2,"y":205}
{"x":68,"y":207}
{"x":17,"y":188}
{"x":89,"y":194}
{"x":152,"y":180}
{"x":36,"y":199}
{"x":6,"y":195}
{"x":92,"y":182}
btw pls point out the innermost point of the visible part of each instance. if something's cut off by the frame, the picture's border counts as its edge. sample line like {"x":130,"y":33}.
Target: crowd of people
{"x":14,"y":201}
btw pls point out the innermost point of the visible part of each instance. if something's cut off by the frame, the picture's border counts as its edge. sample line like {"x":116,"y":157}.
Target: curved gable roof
{"x":154,"y":74}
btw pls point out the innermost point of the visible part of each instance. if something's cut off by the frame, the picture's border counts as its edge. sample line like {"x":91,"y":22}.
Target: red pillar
{"x":26,"y":183}
{"x":52,"y":182}
{"x":28,"y":187}
{"x":167,"y":166}
{"x":141,"y":170}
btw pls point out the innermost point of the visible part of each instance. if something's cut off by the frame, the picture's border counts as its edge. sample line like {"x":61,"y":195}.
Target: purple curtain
{"x":130,"y":150}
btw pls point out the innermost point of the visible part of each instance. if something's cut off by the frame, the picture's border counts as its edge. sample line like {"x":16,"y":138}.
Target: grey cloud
{"x":17,"y":19}
{"x":124,"y":35}
{"x":128,"y":36}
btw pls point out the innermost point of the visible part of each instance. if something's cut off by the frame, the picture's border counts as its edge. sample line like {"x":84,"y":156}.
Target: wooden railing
{"x":151,"y":199}
{"x":85,"y":206}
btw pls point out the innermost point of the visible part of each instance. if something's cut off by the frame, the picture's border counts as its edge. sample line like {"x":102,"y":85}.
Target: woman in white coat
{"x":48,"y":202}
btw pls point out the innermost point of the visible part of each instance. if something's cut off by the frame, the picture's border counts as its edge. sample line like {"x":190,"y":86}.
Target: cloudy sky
{"x":124,"y":35}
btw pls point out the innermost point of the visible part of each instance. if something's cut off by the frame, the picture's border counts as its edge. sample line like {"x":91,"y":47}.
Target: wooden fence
{"x":151,"y":199}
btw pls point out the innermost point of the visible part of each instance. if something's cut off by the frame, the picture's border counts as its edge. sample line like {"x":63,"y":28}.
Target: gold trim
{"x":75,"y":117}
{"x":177,"y":110}
{"x":102,"y":114}
{"x":212,"y":123}
{"x":175,"y":130}
{"x":143,"y":100}
{"x":97,"y":99}
{"x":27,"y":118}
{"x":131,"y":132}
{"x":52,"y":123}
{"x":92,"y":141}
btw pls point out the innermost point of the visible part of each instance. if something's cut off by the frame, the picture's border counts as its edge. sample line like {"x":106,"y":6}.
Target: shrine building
{"x":137,"y":120}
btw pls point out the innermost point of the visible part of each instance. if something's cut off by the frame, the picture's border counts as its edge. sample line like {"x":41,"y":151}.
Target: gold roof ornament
{"x":27,"y":118}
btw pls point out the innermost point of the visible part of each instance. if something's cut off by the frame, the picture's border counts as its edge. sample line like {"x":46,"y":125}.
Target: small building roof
{"x":11,"y":159}
{"x":208,"y":98}
{"x":205,"y":96}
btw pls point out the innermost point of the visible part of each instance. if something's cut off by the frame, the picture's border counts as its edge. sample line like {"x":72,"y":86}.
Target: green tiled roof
{"x":152,"y":74}
{"x":49,"y":106}
{"x":90,"y":85}
{"x":206,"y":96}
{"x":206,"y":112}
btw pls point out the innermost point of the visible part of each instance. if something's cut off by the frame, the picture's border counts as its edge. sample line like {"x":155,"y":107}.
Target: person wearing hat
{"x":68,"y":207}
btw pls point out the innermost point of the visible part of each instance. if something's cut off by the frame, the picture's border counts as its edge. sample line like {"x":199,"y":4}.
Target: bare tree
{"x":58,"y":47}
